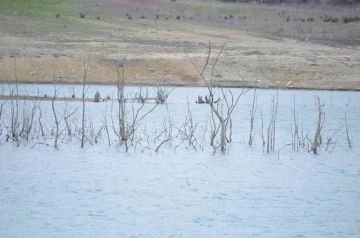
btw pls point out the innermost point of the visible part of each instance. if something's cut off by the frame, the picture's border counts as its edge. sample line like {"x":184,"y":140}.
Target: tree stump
{"x":97,"y":97}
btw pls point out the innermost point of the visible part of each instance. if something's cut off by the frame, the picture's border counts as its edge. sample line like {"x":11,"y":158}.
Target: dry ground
{"x":44,"y":49}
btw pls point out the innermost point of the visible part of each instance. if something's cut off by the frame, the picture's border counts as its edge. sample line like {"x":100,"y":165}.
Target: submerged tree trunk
{"x":222,"y":135}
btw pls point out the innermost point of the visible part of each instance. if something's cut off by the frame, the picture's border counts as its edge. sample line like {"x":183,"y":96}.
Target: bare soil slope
{"x":45,"y":48}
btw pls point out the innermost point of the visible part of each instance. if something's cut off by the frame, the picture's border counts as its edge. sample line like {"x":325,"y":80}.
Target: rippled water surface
{"x":101,"y":191}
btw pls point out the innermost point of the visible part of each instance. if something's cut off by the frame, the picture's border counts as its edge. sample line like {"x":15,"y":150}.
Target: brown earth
{"x":154,"y":54}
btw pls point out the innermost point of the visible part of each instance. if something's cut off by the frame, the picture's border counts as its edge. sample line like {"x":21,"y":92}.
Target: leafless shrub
{"x":351,"y":19}
{"x":2,"y":104}
{"x":331,"y":138}
{"x":128,"y":120}
{"x":217,"y":109}
{"x":121,"y":133}
{"x":28,"y":116}
{"x":271,"y":130}
{"x":347,"y":132}
{"x":320,"y":123}
{"x":67,"y":114}
{"x":105,"y":125}
{"x":295,"y":129}
{"x":165,"y":134}
{"x":252,"y":116}
{"x":14,"y":107}
{"x":129,"y":16}
{"x":40,"y":122}
{"x":56,"y":119}
{"x":84,"y":91}
{"x":187,"y":131}
{"x":162,"y":94}
{"x":262,"y":131}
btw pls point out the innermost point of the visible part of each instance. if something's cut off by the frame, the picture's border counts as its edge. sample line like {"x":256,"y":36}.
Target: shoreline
{"x":224,"y":84}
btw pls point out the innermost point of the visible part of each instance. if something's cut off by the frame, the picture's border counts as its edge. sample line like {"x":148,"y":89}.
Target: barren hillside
{"x":279,"y":46}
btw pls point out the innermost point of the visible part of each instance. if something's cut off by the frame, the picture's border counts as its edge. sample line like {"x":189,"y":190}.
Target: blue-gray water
{"x":102,"y":191}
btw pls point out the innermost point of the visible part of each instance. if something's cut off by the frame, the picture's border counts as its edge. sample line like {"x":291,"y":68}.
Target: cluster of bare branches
{"x":2,"y":108}
{"x":252,"y":117}
{"x":320,"y":123}
{"x":295,"y":137}
{"x":187,"y":132}
{"x":271,"y":130}
{"x":221,"y":110}
{"x":24,"y":120}
{"x":128,"y":120}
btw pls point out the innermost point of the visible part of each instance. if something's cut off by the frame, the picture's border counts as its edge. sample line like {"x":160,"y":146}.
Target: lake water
{"x":102,"y":191}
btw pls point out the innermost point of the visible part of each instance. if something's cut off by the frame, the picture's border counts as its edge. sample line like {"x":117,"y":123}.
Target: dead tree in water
{"x":161,"y":95}
{"x":271,"y":130}
{"x":56,"y":119}
{"x":296,"y":142}
{"x":2,"y":104}
{"x":129,"y":120}
{"x":121,"y":102}
{"x":347,"y":132}
{"x":252,"y":117}
{"x":86,"y":66}
{"x":317,"y":138}
{"x":217,"y":109}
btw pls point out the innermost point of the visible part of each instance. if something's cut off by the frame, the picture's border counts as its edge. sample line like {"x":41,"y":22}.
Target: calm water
{"x":101,"y":191}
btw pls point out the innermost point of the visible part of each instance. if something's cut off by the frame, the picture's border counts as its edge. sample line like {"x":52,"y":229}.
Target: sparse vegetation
{"x":351,"y":19}
{"x":254,"y":52}
{"x":128,"y":16}
{"x":209,"y":19}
